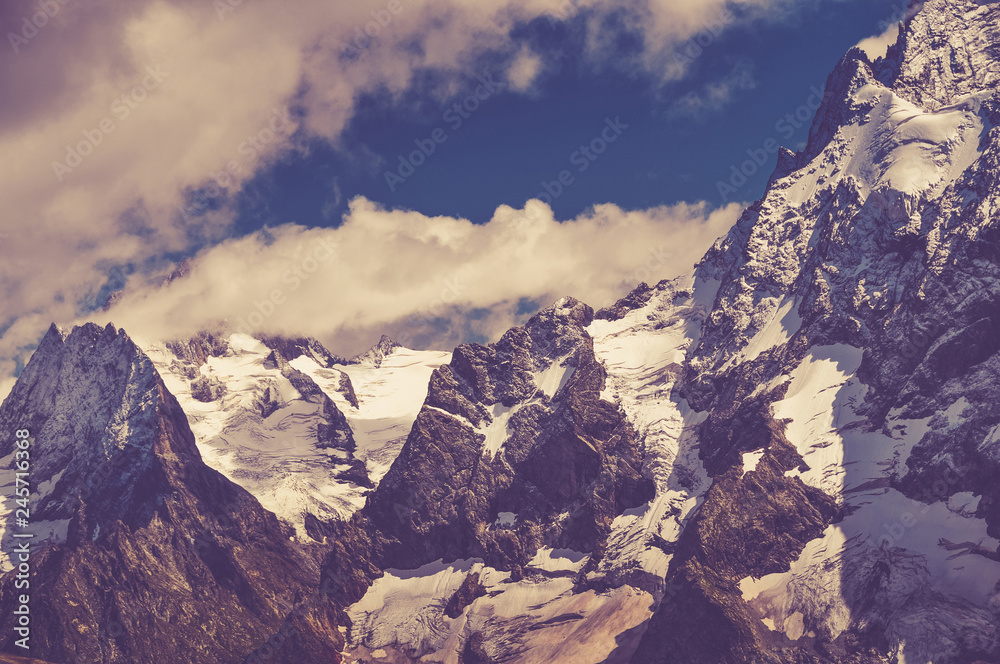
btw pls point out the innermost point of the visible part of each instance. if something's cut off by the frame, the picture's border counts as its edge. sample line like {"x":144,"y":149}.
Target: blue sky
{"x":512,"y":144}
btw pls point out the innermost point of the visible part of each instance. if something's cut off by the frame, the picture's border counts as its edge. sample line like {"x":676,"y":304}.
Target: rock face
{"x":516,"y":427}
{"x":292,"y":349}
{"x":163,"y":557}
{"x":373,"y":356}
{"x":789,"y":456}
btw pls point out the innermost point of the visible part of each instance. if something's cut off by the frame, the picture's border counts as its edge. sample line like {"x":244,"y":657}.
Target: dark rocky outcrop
{"x":294,"y":348}
{"x":165,"y":560}
{"x":565,"y":463}
{"x":467,"y":593}
{"x":376,"y":354}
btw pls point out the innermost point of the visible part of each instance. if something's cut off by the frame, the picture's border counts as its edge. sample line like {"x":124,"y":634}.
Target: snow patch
{"x":750,"y":461}
{"x":496,"y":431}
{"x":505,"y":520}
{"x":559,"y":560}
{"x":402,"y":615}
{"x":643,"y":354}
{"x":817,"y":404}
{"x":552,"y":379}
{"x":785,"y":323}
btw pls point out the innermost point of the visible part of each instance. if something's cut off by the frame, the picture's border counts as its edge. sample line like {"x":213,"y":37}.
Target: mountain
{"x":149,"y":552}
{"x":306,"y":432}
{"x":514,"y":428}
{"x":373,"y":356}
{"x":847,"y":370}
{"x":788,"y":456}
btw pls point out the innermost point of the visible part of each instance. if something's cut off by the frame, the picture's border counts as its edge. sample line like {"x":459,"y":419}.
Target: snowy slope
{"x":788,"y":456}
{"x":644,"y":352}
{"x":536,"y":620}
{"x":263,"y":433}
{"x":851,"y":349}
{"x":389,"y":397}
{"x":911,"y":539}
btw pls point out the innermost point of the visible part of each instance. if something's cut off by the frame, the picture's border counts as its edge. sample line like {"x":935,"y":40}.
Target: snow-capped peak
{"x":374,"y":356}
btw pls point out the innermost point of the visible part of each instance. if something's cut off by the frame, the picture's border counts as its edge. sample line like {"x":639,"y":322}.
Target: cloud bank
{"x":427,"y":281}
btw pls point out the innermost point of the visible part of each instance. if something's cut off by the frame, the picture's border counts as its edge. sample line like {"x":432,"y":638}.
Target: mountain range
{"x":789,"y":455}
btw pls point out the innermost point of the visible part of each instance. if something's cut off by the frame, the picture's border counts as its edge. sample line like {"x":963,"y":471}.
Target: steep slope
{"x":519,"y":428}
{"x":163,"y":559}
{"x":849,"y":366}
{"x":789,"y":456}
{"x":306,"y":432}
{"x":814,"y":410}
{"x":513,"y":474}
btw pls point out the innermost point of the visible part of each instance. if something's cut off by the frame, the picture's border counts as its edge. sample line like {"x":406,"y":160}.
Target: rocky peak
{"x":517,"y":426}
{"x":872,"y":256}
{"x":200,"y":347}
{"x":292,"y":348}
{"x":374,"y":356}
{"x":91,"y":400}
{"x":132,"y":525}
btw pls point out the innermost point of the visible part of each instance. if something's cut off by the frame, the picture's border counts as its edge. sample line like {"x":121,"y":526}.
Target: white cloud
{"x":433,"y":281}
{"x":878,"y":45}
{"x":524,"y":70}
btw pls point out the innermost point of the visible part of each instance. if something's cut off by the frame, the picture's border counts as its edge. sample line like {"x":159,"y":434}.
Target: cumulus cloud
{"x":119,"y":112}
{"x":429,"y":281}
{"x":524,"y":70}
